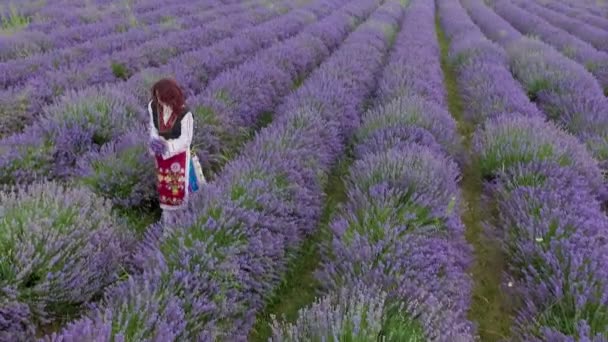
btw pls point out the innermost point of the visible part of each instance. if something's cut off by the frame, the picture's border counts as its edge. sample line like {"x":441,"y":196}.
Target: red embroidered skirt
{"x":172,"y":180}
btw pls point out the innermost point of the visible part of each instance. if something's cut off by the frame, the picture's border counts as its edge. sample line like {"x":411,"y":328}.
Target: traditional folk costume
{"x":176,"y":172}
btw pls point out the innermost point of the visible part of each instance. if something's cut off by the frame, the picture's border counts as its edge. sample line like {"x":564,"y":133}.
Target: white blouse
{"x":174,"y":146}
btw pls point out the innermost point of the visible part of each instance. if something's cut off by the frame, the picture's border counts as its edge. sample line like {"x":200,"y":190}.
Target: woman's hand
{"x":158,"y":146}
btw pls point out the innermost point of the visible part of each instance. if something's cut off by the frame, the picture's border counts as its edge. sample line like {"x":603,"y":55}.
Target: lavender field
{"x":379,"y":170}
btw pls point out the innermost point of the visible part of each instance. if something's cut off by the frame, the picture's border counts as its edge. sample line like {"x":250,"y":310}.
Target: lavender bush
{"x":509,"y":140}
{"x":75,"y":125}
{"x":122,"y":171}
{"x":415,"y":111}
{"x":359,"y":313}
{"x":60,"y":248}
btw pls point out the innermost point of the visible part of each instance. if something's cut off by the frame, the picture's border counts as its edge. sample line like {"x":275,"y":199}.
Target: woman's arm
{"x":151,"y":128}
{"x":175,"y":146}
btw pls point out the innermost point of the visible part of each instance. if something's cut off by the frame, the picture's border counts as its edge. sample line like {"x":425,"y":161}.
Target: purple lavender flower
{"x":157,"y":145}
{"x":16,"y":323}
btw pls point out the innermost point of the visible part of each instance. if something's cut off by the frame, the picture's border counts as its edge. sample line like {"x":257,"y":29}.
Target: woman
{"x":171,"y":129}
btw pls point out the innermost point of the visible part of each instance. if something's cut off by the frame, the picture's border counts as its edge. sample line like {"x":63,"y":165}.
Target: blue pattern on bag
{"x":192,"y":181}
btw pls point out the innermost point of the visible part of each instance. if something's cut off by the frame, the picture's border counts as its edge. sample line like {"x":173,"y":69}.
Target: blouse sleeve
{"x":181,"y":144}
{"x":153,"y":130}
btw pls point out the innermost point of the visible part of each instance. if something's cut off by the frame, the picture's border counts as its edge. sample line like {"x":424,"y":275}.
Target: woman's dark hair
{"x":167,"y":91}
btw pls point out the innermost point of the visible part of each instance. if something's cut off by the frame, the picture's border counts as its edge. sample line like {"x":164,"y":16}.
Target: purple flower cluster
{"x":60,"y":247}
{"x":209,"y":269}
{"x":525,"y":20}
{"x":121,"y":170}
{"x":545,"y":186}
{"x":400,"y":228}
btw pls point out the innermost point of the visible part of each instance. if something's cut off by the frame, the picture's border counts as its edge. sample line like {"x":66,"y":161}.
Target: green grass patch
{"x":13,"y":21}
{"x":489,"y":306}
{"x":299,"y":286}
{"x":120,"y":71}
{"x":138,"y":220}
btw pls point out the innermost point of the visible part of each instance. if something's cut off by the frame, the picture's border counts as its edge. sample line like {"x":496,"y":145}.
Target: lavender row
{"x":596,"y":37}
{"x":592,"y":7}
{"x":120,"y":20}
{"x":226,"y":252}
{"x":550,"y":225}
{"x":16,"y":72}
{"x":115,"y":170}
{"x":24,"y":106}
{"x":399,"y":230}
{"x":528,"y":23}
{"x":561,"y":88}
{"x":481,"y":68}
{"x":581,"y":15}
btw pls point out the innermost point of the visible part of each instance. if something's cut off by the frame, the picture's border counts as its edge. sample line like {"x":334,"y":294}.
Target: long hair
{"x":168,"y":92}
